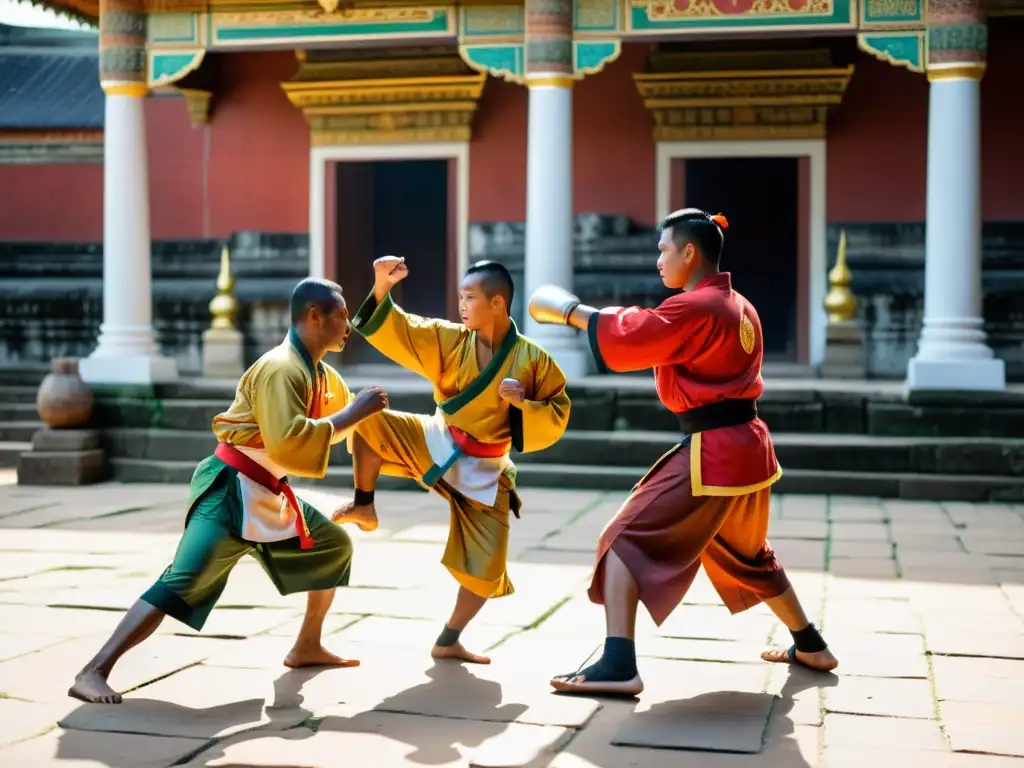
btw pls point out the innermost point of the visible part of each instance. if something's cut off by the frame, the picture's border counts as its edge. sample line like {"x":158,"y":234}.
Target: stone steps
{"x":845,"y":453}
{"x":10,"y":451}
{"x":14,"y":411}
{"x":621,"y":479}
{"x":19,"y":431}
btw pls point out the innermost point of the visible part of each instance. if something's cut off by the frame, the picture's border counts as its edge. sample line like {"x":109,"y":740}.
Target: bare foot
{"x":458,"y":653}
{"x":363,"y":515}
{"x":822,"y":661}
{"x":93,"y":687}
{"x":316,"y":656}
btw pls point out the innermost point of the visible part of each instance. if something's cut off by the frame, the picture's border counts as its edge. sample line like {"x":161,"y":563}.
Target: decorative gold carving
{"x":198,"y":103}
{"x":698,"y":9}
{"x":386,"y":110}
{"x":840,"y":303}
{"x":693,"y":101}
{"x":321,"y":14}
{"x":224,"y":306}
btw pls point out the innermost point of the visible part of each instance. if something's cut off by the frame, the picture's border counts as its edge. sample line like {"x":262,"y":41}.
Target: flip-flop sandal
{"x":791,"y":658}
{"x":569,"y":683}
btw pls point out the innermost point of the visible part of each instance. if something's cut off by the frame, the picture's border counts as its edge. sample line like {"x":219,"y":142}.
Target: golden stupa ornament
{"x":224,"y":306}
{"x":840,"y":303}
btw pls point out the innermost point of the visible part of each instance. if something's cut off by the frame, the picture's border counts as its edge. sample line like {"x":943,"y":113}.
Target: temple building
{"x":552,"y":136}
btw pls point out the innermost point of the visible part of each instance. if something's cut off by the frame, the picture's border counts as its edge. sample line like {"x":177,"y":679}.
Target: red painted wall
{"x":256,"y":172}
{"x":613,"y":149}
{"x":51,"y":203}
{"x":878,"y":139}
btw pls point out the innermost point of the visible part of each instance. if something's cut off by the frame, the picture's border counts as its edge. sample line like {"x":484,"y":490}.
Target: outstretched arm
{"x":416,"y":343}
{"x":621,"y":338}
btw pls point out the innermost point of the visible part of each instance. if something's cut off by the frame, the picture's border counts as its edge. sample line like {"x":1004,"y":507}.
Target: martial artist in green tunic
{"x":290,"y":407}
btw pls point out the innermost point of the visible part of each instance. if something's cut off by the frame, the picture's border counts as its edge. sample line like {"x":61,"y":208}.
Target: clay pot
{"x":64,"y":400}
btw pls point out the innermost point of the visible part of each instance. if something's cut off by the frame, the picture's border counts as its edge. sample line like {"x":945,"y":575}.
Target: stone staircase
{"x":856,"y":439}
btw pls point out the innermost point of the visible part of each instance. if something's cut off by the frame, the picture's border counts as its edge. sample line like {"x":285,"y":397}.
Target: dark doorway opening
{"x":400,"y":208}
{"x":760,"y":198}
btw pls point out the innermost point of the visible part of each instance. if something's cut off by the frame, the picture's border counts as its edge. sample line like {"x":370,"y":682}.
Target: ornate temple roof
{"x":49,"y":81}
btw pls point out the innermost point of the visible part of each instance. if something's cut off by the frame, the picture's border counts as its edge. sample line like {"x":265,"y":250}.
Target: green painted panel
{"x":840,"y":14}
{"x":903,"y":49}
{"x":892,"y":11}
{"x":439,"y":24}
{"x":172,"y":28}
{"x":496,"y":59}
{"x":491,"y":22}
{"x":596,"y":15}
{"x":165,"y":66}
{"x":590,"y":57}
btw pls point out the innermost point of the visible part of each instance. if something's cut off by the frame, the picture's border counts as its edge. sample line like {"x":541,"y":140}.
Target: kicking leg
{"x":308,"y":650}
{"x":91,"y":683}
{"x":467,"y":606}
{"x":366,"y":467}
{"x":809,"y":648}
{"x":615,"y":672}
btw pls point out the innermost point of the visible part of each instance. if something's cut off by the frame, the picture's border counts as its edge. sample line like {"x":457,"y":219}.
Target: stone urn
{"x":64,"y":401}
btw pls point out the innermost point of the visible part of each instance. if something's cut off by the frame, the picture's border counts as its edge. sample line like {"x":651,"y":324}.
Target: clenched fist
{"x":511,"y":391}
{"x":369,"y":402}
{"x":389,"y":270}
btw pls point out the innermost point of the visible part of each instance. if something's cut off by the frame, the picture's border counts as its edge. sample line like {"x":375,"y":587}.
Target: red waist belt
{"x":237,"y":460}
{"x":473,"y":447}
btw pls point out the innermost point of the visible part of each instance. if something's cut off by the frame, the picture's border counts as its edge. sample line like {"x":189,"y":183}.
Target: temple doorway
{"x":401,"y":208}
{"x":760,"y":196}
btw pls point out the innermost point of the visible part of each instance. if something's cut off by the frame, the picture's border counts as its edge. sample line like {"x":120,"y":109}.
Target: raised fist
{"x":511,"y":391}
{"x":389,"y":271}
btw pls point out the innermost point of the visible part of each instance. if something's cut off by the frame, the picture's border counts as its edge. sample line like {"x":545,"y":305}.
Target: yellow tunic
{"x":277,"y":409}
{"x":445,"y":354}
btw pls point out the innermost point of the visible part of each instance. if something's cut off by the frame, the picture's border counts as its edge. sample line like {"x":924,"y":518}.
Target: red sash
{"x":473,"y":447}
{"x":235,"y":459}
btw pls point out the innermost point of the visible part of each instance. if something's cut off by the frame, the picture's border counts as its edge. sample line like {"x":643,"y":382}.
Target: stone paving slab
{"x":90,"y":749}
{"x":199,"y":702}
{"x":46,"y":675}
{"x":920,"y":601}
{"x":386,"y":740}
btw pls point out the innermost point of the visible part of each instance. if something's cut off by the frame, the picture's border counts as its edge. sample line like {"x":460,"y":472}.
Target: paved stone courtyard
{"x":922,"y":602}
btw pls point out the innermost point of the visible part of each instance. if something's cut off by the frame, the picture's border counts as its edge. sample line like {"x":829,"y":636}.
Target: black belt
{"x":724,"y":413}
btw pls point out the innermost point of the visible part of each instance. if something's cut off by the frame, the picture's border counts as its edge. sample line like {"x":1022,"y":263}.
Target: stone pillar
{"x":549,"y":204}
{"x":126,"y":351}
{"x":952,"y":351}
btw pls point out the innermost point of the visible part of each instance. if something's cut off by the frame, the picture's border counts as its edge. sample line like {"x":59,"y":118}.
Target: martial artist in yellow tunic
{"x":495,"y":389}
{"x":289,"y":409}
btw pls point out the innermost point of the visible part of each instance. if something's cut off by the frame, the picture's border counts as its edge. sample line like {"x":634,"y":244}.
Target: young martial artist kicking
{"x":289,"y":408}
{"x":706,"y":501}
{"x":494,"y":390}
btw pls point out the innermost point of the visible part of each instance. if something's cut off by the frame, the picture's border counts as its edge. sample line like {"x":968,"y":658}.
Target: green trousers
{"x":211,"y":545}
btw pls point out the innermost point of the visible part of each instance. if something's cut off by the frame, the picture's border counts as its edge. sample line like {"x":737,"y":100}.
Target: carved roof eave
{"x":370,"y":93}
{"x":806,"y":87}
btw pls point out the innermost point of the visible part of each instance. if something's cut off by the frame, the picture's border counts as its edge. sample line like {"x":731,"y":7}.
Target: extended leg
{"x":467,"y":606}
{"x":308,"y":650}
{"x":615,"y":672}
{"x":366,"y":465}
{"x":809,"y":647}
{"x":91,"y":683}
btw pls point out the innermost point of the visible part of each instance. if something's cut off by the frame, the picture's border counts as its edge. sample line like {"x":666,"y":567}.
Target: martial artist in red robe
{"x":706,"y":501}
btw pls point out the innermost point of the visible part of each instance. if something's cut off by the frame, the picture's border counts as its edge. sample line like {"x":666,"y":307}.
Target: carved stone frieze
{"x":751,"y":96}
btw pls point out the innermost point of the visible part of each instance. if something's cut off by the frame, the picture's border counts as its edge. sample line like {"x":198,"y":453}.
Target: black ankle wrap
{"x":808,"y":640}
{"x":363,"y":497}
{"x":448,"y":636}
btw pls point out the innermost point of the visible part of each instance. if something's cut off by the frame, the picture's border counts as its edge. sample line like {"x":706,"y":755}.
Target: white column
{"x":549,"y":212}
{"x":126,"y":352}
{"x":952,"y":352}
